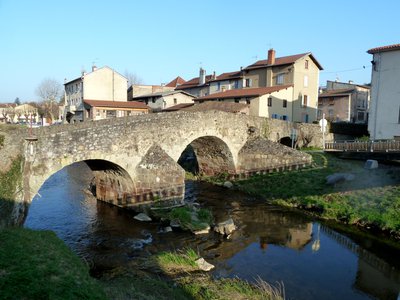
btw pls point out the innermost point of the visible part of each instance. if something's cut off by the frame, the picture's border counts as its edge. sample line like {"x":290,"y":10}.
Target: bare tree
{"x":133,"y":78}
{"x":49,"y":90}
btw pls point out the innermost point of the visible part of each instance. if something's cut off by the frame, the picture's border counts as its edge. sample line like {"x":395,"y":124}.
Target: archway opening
{"x":287,"y":141}
{"x":207,"y":155}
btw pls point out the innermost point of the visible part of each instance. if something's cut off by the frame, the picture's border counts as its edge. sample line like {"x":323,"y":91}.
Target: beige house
{"x":226,"y":81}
{"x":100,"y":109}
{"x":102,"y":84}
{"x":301,"y":71}
{"x":384,"y":112}
{"x":24,"y":113}
{"x":7,"y":112}
{"x":198,"y":86}
{"x":271,"y":102}
{"x":136,"y":90}
{"x":160,"y":101}
{"x":344,"y":102}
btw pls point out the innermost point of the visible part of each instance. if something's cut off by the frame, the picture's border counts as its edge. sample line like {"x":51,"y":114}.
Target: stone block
{"x":371,"y":164}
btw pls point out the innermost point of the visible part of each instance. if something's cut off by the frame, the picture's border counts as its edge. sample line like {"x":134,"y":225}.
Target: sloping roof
{"x":193,"y":82}
{"x":284,"y":60}
{"x":237,"y":93}
{"x":216,"y":105}
{"x":88,"y":73}
{"x":229,"y":75}
{"x":384,"y":49}
{"x":116,"y":104}
{"x":160,"y":94}
{"x":178,"y":107}
{"x":6,"y":105}
{"x":336,"y":93}
{"x":175,"y":82}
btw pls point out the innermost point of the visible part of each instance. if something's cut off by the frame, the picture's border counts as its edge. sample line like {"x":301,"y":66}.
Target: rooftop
{"x":284,"y":60}
{"x":336,"y":93}
{"x":384,"y":49}
{"x":176,"y":82}
{"x":116,"y":104}
{"x":222,"y":106}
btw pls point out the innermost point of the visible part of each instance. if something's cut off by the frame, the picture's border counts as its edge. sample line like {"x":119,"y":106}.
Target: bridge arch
{"x":212,"y":155}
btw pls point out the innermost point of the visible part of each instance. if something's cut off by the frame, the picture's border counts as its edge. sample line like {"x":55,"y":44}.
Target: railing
{"x":370,"y":146}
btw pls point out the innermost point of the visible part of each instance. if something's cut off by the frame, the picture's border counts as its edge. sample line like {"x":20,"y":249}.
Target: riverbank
{"x":370,"y":200}
{"x":38,"y":265}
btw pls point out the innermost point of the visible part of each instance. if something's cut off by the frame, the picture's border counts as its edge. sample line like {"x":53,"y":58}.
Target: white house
{"x":384,"y":113}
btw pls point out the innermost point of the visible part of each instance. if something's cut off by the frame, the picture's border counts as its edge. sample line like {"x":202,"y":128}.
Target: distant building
{"x":163,"y":100}
{"x":384,"y":113}
{"x":100,"y":109}
{"x":7,"y":112}
{"x":102,"y":84}
{"x":176,"y":82}
{"x":271,"y":102}
{"x":301,"y":71}
{"x":198,"y":86}
{"x":344,"y":102}
{"x":136,"y":90}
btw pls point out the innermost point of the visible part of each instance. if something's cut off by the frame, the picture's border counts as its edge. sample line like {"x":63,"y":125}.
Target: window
{"x":399,"y":116}
{"x":306,"y":118}
{"x":284,"y":118}
{"x":248,"y":82}
{"x":306,"y":64}
{"x":305,"y":100}
{"x":237,"y":100}
{"x":319,"y":114}
{"x":284,"y":103}
{"x":275,"y":116}
{"x":236,"y":84}
{"x":330,"y":114}
{"x":218,"y":86}
{"x":280,"y":78}
{"x":269,"y":101}
{"x":175,"y":101}
{"x":305,"y":81}
{"x":331,"y":101}
{"x":247,"y":100}
{"x":360,"y":116}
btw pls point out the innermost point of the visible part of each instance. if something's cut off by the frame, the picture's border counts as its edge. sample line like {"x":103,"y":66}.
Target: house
{"x":226,"y":81}
{"x":101,"y":109}
{"x":177,"y":107}
{"x":163,"y":100}
{"x":301,"y":71}
{"x":344,"y":102}
{"x":198,"y":86}
{"x":272,"y":102}
{"x":102,"y":84}
{"x":384,"y":112}
{"x":7,"y":112}
{"x":231,"y":107}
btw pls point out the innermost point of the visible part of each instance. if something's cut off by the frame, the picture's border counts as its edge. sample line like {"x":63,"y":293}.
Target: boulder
{"x":226,"y":227}
{"x":142,"y":217}
{"x":203,"y":265}
{"x":371,"y":164}
{"x":202,"y":231}
{"x":228,"y":184}
{"x":339,"y":177}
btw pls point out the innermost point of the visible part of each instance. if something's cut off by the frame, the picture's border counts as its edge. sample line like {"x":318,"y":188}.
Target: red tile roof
{"x":252,"y":92}
{"x":384,"y":48}
{"x":116,"y":104}
{"x":284,"y":60}
{"x":178,"y":107}
{"x":193,"y":82}
{"x":175,"y":82}
{"x":5,"y":105}
{"x":229,"y":75}
{"x":336,"y":93}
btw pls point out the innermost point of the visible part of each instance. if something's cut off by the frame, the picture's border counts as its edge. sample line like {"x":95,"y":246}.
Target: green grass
{"x":38,"y":265}
{"x":178,"y":259}
{"x":371,"y":199}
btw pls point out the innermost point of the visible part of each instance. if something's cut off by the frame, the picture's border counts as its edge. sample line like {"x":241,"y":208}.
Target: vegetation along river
{"x":312,"y":259}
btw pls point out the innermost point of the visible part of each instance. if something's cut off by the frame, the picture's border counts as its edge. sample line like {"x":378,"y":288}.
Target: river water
{"x":312,"y":260}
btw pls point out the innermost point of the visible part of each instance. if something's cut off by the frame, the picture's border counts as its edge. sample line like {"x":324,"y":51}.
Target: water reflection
{"x":312,"y":260}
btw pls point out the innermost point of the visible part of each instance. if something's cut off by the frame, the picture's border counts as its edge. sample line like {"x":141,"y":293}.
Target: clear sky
{"x":159,"y":40}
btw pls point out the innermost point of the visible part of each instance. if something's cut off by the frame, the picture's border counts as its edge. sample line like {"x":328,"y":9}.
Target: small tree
{"x":49,"y":90}
{"x":133,"y":78}
{"x":17,"y":101}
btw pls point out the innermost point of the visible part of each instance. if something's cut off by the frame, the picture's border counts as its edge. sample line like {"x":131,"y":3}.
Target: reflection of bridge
{"x":375,"y":276}
{"x":134,"y":159}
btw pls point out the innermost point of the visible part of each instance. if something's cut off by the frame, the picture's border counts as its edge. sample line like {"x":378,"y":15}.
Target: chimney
{"x":202,"y":77}
{"x":351,"y":81}
{"x":94,"y":68}
{"x":214,"y":76}
{"x":271,"y":57}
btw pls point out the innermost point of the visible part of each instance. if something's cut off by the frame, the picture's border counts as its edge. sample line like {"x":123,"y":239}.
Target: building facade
{"x":160,"y":101}
{"x":102,"y":84}
{"x":384,"y":113}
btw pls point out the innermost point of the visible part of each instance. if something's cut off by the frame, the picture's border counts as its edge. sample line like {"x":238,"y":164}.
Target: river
{"x":312,"y":260}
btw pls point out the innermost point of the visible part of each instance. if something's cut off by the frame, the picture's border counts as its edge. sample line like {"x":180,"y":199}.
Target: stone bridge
{"x":134,"y":159}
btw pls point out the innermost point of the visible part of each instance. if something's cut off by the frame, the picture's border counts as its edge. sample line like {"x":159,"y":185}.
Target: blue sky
{"x":159,"y":40}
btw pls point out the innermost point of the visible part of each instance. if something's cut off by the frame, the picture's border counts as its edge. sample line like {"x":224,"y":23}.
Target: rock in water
{"x":371,"y":164}
{"x":338,"y":177}
{"x":203,"y":265}
{"x":226,"y":227}
{"x":228,"y":184}
{"x":142,"y":217}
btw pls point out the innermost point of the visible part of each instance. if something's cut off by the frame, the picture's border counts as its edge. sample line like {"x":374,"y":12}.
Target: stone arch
{"x":213,"y":155}
{"x":286,"y":140}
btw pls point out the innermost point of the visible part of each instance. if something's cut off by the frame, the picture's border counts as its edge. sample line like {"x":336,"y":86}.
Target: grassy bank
{"x":179,"y":278}
{"x":371,"y":199}
{"x":37,"y":265}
